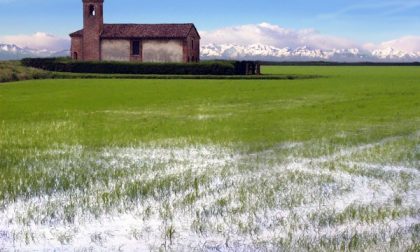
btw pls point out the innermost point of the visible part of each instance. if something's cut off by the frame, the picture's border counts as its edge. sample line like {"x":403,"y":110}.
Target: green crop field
{"x":321,"y":164}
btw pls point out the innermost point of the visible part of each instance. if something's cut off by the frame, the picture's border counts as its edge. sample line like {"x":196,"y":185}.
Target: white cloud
{"x":405,"y":44}
{"x":280,"y":37}
{"x":275,"y":35}
{"x":39,"y":40}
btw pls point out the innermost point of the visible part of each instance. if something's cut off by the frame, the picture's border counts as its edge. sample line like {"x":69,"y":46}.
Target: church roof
{"x":143,"y":31}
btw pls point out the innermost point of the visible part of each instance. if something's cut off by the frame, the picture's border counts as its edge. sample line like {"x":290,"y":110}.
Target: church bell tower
{"x":93,"y":23}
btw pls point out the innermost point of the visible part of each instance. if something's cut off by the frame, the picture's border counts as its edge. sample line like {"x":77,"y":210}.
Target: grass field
{"x":14,"y":71}
{"x":331,"y":163}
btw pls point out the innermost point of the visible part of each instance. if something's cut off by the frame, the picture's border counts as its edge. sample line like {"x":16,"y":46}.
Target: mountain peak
{"x":14,"y":52}
{"x":257,"y":51}
{"x":260,"y":51}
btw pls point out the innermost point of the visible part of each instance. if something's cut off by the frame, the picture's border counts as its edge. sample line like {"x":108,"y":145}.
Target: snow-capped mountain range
{"x":271,"y":53}
{"x":253,"y":52}
{"x":14,"y":52}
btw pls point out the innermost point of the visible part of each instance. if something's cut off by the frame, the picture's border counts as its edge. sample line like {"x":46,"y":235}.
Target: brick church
{"x":132,"y":42}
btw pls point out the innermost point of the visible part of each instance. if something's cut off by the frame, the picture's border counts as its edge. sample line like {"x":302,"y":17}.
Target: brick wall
{"x":76,"y":49}
{"x":92,"y":28}
{"x":192,"y":47}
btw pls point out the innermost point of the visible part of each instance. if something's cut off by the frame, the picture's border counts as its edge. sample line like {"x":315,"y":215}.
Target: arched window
{"x":75,"y":55}
{"x":92,"y":11}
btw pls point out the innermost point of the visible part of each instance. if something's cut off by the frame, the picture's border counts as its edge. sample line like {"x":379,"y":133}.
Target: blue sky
{"x":363,"y":21}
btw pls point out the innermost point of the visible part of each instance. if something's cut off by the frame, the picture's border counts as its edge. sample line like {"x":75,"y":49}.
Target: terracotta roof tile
{"x":78,"y":33}
{"x":143,"y":31}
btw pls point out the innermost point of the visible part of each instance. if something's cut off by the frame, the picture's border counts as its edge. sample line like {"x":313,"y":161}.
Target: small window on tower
{"x":92,"y":11}
{"x":135,"y":49}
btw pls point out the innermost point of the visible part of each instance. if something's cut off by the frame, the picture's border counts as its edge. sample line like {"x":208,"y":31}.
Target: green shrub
{"x":65,"y":65}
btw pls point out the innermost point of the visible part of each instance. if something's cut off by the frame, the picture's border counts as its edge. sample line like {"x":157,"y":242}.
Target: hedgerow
{"x":66,"y":65}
